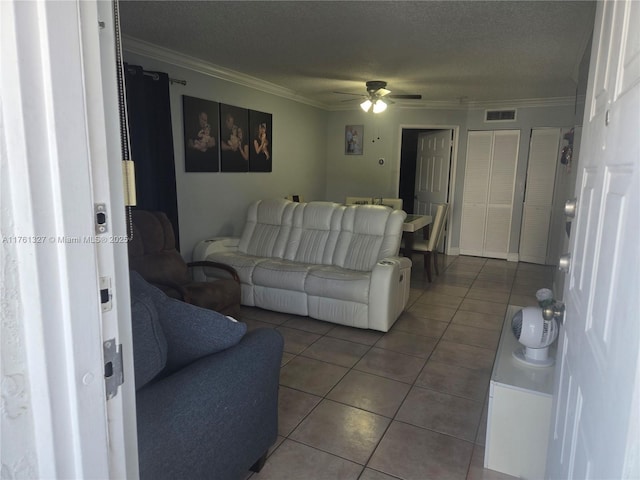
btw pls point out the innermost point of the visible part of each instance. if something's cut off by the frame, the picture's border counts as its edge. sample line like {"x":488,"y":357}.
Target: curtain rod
{"x":155,"y":76}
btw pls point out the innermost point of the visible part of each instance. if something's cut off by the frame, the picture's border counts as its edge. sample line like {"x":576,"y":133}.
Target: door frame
{"x":61,"y":423}
{"x":452,"y":169}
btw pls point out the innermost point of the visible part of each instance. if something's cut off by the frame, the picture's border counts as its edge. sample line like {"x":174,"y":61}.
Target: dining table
{"x":412,"y":224}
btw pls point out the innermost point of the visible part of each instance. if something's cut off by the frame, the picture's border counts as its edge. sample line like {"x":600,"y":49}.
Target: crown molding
{"x":173,"y":57}
{"x":478,"y":105}
{"x":414,"y":105}
{"x":150,"y":50}
{"x":524,"y":102}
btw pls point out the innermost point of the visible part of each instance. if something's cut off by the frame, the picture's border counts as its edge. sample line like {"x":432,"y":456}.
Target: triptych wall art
{"x":225,"y":138}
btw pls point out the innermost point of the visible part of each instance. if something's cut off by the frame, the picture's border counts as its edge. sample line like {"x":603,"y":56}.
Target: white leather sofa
{"x":319,"y":259}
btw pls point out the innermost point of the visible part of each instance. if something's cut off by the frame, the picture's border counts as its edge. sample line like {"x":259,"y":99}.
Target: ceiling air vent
{"x":500,"y":115}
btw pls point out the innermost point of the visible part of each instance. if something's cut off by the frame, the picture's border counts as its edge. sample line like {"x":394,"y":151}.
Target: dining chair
{"x":429,"y":247}
{"x":394,"y":203}
{"x":359,"y":201}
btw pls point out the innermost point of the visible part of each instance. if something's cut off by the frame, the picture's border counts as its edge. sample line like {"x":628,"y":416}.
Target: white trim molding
{"x":150,"y":50}
{"x":173,"y":57}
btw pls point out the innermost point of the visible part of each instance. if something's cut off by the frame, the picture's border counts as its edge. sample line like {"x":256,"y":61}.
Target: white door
{"x":538,"y":200}
{"x":594,"y":431}
{"x":432,"y":171}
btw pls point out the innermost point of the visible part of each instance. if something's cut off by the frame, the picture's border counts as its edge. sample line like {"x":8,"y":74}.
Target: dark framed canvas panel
{"x":201,"y":126}
{"x":261,"y":148}
{"x":234,"y":139}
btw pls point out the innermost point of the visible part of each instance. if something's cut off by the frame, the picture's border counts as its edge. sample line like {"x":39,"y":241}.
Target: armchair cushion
{"x":191,"y":332}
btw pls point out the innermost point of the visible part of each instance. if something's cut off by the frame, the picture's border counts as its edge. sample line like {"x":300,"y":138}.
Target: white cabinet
{"x":489,"y":183}
{"x":519,"y":416}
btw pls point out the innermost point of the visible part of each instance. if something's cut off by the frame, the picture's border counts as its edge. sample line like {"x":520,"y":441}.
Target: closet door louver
{"x":488,"y":192}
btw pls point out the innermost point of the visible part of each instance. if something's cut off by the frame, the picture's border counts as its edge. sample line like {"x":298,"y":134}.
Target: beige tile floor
{"x":407,"y":404}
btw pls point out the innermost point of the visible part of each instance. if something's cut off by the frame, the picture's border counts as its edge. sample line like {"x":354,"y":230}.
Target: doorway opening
{"x":408,"y":162}
{"x":427,"y":166}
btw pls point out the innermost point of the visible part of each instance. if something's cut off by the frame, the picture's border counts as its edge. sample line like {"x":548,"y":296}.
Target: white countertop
{"x":511,"y":372}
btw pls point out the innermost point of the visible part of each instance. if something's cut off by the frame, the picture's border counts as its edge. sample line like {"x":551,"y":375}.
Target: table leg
{"x":408,"y":244}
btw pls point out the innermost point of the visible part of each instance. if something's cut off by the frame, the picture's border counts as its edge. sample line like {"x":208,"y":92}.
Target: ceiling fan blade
{"x":382,"y":92}
{"x":347,"y":93}
{"x":407,"y":96}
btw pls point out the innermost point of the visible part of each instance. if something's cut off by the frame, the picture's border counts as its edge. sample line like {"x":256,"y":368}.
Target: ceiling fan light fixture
{"x":379,"y":106}
{"x":366,"y":105}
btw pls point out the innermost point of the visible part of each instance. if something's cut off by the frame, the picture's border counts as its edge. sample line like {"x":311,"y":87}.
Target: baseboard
{"x":454,"y":252}
{"x":513,"y":257}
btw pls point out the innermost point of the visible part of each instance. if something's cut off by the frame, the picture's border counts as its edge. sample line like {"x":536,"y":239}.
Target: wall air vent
{"x":500,"y":115}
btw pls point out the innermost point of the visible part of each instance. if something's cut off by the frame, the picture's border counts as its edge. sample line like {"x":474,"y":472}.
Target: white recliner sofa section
{"x":319,"y":259}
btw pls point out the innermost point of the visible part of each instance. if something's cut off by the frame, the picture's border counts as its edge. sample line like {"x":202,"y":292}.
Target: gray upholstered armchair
{"x":206,"y":391}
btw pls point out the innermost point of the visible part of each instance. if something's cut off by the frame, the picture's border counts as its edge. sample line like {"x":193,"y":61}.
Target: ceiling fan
{"x":376,"y":90}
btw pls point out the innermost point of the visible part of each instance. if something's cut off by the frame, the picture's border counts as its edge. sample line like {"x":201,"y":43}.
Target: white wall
{"x":309,"y":158}
{"x":361,"y":175}
{"x":527,"y":118}
{"x":215,"y":203}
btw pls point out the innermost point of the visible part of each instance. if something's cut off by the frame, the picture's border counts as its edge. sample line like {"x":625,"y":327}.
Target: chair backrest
{"x":438,"y":226}
{"x":395,"y":203}
{"x":368,"y":234}
{"x":358,"y":201}
{"x":314,"y":232}
{"x":152,"y":249}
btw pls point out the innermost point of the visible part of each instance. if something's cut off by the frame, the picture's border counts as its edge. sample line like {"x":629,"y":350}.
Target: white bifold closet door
{"x":489,"y":185}
{"x":538,"y":201}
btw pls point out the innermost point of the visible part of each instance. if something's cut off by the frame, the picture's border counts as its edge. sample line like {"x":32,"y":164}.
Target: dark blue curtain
{"x":151,"y":138}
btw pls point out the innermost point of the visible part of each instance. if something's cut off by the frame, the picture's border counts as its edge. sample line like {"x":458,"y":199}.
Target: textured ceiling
{"x":477,"y":51}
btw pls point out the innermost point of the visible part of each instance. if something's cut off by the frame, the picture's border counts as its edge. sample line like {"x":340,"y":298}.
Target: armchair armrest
{"x":221,"y":266}
{"x":184,"y":295}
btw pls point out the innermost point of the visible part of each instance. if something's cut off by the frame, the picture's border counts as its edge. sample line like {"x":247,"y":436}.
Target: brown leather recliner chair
{"x":153,"y":254}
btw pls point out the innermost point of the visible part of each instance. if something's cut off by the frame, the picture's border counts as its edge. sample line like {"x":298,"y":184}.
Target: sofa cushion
{"x":338,"y":283}
{"x":281,"y":274}
{"x":191,"y":332}
{"x":149,"y":342}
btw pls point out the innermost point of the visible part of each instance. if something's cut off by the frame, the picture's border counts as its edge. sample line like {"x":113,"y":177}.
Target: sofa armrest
{"x":390,"y":279}
{"x":206,"y":247}
{"x":214,"y":418}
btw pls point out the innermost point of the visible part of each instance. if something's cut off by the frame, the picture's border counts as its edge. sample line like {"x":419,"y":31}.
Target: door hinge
{"x":113,"y":373}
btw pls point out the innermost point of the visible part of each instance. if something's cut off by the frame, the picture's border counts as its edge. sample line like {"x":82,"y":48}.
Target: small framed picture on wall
{"x":200,"y":119}
{"x":353,"y":135}
{"x":261,"y":146}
